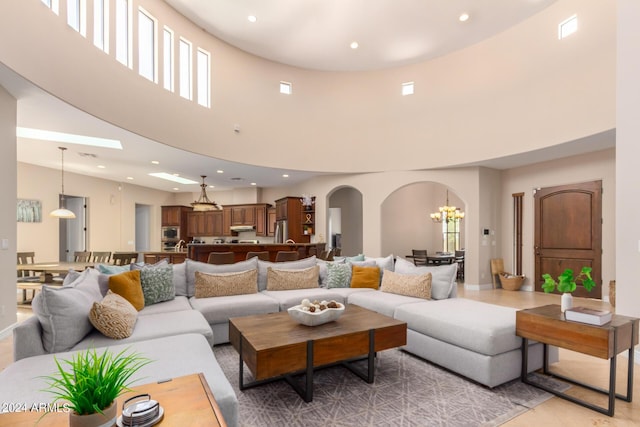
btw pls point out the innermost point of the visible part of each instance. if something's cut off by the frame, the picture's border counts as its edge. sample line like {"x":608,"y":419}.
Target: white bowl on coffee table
{"x":316,"y":318}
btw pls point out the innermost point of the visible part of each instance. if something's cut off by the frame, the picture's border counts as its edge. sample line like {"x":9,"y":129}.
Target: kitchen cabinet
{"x":226,"y":221}
{"x":216,"y":223}
{"x":243,"y":215}
{"x":271,"y":222}
{"x":300,"y":221}
{"x":176,"y":216}
{"x":203,"y":224}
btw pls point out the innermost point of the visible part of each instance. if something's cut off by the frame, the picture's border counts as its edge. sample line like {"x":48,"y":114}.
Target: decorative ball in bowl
{"x":317,"y":312}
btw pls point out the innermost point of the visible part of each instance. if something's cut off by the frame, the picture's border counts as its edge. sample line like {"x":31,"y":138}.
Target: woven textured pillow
{"x":418,"y":286}
{"x":365,"y":277}
{"x":283,"y":280}
{"x":338,"y":275}
{"x":225,"y":284}
{"x":114,"y":316}
{"x":128,"y":286}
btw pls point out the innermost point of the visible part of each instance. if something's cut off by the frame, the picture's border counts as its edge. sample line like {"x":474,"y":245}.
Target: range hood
{"x":239,"y":228}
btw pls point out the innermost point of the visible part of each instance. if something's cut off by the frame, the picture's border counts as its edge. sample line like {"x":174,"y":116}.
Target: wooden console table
{"x":187,"y":401}
{"x":546,"y":324}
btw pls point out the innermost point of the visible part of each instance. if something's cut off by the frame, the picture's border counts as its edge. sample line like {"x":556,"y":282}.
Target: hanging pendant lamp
{"x":204,"y":203}
{"x":62,"y":212}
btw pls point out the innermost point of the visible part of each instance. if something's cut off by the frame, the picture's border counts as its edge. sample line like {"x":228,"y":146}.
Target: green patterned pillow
{"x":157,"y":283}
{"x":338,"y":275}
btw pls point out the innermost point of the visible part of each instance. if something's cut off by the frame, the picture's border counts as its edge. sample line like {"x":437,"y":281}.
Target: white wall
{"x":627,"y":264}
{"x":521,"y":85}
{"x":8,"y":111}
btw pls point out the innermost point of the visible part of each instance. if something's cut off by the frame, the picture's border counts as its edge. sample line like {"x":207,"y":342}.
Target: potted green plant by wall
{"x":90,"y":382}
{"x":567,"y":284}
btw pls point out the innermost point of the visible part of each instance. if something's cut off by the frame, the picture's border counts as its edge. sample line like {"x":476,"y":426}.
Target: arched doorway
{"x":347,"y":203}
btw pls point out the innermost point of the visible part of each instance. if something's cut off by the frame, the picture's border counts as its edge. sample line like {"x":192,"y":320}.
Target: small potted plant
{"x":567,"y":284}
{"x":92,"y":383}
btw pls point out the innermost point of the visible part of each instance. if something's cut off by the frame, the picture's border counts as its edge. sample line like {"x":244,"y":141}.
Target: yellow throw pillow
{"x":225,"y":284}
{"x":365,"y":277}
{"x":283,"y":280}
{"x":128,"y":286}
{"x":114,"y":316}
{"x":411,"y":285}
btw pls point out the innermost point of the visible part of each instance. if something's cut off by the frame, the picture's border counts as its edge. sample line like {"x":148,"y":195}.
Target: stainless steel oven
{"x":170,"y":234}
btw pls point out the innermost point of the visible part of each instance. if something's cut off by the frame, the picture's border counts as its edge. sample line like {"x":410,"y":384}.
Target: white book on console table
{"x":588,"y":315}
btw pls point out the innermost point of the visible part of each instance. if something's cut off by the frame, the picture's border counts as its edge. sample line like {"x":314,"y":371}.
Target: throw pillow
{"x":365,"y":277}
{"x":63,"y":311}
{"x":157,"y":282}
{"x":225,"y":284}
{"x":128,"y":286}
{"x":282,"y":280}
{"x":114,"y":316}
{"x":418,"y":286}
{"x":443,"y":277}
{"x":287,"y":265}
{"x":193,"y":266}
{"x":359,"y":257}
{"x":112,"y":269}
{"x":338,"y":275}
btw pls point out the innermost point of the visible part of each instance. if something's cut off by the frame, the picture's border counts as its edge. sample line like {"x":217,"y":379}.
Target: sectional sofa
{"x":471,"y":338}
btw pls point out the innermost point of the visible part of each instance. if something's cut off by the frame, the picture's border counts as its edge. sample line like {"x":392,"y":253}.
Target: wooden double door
{"x":568,"y":232}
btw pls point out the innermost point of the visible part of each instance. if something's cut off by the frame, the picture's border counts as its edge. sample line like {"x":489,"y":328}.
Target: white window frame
{"x":143,"y":14}
{"x":168,"y":59}
{"x":286,"y":88}
{"x":125,"y":58}
{"x":568,"y":27}
{"x":54,"y":5}
{"x":408,"y":88}
{"x":101,"y":24}
{"x":203,"y":78}
{"x":79,"y":21}
{"x":185,"y":62}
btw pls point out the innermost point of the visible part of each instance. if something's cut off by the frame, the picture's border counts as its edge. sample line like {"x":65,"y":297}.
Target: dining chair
{"x":124,"y":258}
{"x":337,"y":251}
{"x":419,"y":256}
{"x":101,"y":257}
{"x":459,"y":259}
{"x":287,"y":256}
{"x":221,"y":258}
{"x":80,"y":256}
{"x":263,"y":255}
{"x":26,"y":276}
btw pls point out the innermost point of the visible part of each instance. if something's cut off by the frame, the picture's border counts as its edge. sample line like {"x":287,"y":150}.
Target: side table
{"x":546,"y":324}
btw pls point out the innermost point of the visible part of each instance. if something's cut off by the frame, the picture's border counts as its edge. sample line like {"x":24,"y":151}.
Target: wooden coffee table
{"x":546,"y":324}
{"x":276,"y":347}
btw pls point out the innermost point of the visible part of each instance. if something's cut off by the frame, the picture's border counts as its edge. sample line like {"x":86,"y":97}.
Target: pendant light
{"x":203,"y":203}
{"x":62,"y":212}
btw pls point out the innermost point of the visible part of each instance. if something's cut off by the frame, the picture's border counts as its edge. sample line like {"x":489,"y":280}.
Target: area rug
{"x":408,"y":391}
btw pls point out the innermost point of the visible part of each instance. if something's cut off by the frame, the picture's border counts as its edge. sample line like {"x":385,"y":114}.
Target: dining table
{"x":440,"y":259}
{"x":49,"y":269}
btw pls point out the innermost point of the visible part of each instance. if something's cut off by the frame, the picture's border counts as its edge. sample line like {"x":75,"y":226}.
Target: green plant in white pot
{"x":90,"y":382}
{"x":567,"y":284}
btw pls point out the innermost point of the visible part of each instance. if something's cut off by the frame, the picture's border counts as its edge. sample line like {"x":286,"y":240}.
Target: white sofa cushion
{"x":289,"y":298}
{"x":220,"y":309}
{"x":381,"y":302}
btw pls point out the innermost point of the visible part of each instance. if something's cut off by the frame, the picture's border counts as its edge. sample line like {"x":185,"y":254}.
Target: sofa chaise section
{"x":173,"y":356}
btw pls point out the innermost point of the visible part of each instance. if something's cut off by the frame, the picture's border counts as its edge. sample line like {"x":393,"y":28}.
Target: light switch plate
{"x":5,"y":244}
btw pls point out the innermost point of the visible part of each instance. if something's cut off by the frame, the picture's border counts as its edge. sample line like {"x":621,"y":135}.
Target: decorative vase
{"x":566,"y":301}
{"x":106,"y":419}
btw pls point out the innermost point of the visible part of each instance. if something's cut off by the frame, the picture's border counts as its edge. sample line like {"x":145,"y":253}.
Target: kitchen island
{"x":200,"y":252}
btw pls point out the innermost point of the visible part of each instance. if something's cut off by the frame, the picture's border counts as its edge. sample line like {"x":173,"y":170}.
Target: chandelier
{"x":204,"y":203}
{"x":447,"y":213}
{"x":62,"y":212}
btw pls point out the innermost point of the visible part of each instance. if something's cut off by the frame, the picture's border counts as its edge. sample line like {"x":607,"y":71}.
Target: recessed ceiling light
{"x":155,"y":162}
{"x":464,"y":17}
{"x":284,"y":175}
{"x":130,"y":178}
{"x":253,"y":183}
{"x":354,"y":45}
{"x":46,"y":135}
{"x":220,"y":171}
{"x":176,"y":189}
{"x":174,"y":178}
{"x":212,"y":186}
{"x":102,"y":167}
{"x":252,"y":18}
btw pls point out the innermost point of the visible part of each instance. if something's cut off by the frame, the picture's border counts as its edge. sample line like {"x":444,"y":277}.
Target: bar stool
{"x":221,"y":258}
{"x":286,"y":256}
{"x":263,"y":255}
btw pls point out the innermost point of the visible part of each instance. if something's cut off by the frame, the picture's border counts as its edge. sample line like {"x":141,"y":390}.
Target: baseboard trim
{"x":470,"y":287}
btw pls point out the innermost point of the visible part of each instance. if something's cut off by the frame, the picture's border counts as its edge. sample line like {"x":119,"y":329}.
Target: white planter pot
{"x":566,"y":301}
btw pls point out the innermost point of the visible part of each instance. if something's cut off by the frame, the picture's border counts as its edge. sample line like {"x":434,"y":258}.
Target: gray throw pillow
{"x":63,"y":311}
